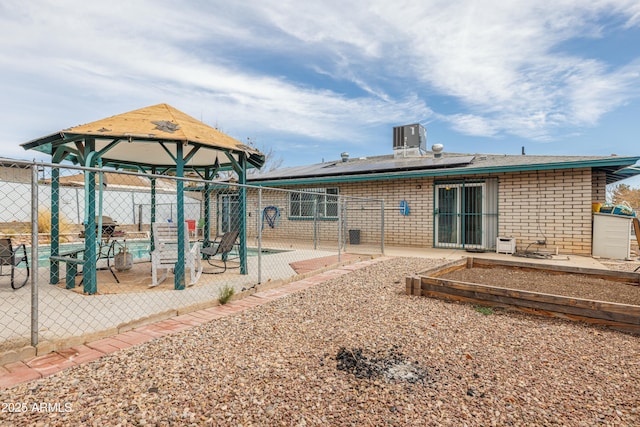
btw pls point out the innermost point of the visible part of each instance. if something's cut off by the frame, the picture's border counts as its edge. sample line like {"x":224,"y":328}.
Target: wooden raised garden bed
{"x":509,"y":285}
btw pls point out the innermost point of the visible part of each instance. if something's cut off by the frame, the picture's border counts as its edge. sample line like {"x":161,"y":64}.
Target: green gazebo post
{"x":209,"y":174}
{"x":89,"y":274}
{"x":54,"y":270}
{"x":240,"y":167}
{"x":178,"y":271}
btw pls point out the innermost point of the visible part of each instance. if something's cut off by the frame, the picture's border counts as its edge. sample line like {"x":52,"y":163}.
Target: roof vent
{"x":345,"y":156}
{"x":437,"y":150}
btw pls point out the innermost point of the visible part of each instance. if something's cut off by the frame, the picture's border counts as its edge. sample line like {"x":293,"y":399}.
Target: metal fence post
{"x":382,"y":227}
{"x":34,"y":254}
{"x":153,"y":209}
{"x":339,"y":228}
{"x":345,"y":218}
{"x":315,"y":223}
{"x":260,"y":234}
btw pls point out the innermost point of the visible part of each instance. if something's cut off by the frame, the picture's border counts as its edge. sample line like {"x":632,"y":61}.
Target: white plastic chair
{"x":165,"y":255}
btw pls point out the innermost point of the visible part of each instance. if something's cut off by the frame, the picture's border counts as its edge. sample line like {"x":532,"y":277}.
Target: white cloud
{"x":592,"y":91}
{"x":471,"y":125}
{"x":149,"y":61}
{"x":500,"y":61}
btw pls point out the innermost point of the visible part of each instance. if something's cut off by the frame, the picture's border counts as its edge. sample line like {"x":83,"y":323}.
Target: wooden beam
{"x":445,"y":268}
{"x":549,"y":305}
{"x":513,"y":295}
{"x":617,"y":276}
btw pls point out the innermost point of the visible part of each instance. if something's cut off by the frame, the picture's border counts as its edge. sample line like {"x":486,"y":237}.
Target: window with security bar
{"x":314,"y":203}
{"x":229,"y":212}
{"x":465,"y":214}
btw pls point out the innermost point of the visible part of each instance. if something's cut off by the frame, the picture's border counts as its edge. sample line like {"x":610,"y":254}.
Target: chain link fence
{"x":280,"y":232}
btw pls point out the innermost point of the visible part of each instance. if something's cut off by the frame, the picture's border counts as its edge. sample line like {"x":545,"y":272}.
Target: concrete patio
{"x":67,"y":317}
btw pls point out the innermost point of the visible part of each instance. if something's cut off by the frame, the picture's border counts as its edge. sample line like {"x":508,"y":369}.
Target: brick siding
{"x":555,"y":206}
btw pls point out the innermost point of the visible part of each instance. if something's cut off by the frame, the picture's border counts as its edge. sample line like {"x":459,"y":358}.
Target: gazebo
{"x":156,"y":140}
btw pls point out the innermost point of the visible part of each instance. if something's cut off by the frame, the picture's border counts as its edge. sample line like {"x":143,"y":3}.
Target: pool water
{"x":138,"y":248}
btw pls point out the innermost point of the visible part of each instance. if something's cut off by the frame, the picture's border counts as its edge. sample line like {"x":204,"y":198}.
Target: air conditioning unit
{"x":410,"y":139}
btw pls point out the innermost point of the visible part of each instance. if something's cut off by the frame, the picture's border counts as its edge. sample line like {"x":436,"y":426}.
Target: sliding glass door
{"x":465,"y":214}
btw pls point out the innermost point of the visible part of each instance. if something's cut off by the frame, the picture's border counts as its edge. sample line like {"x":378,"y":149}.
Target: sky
{"x":308,"y":80}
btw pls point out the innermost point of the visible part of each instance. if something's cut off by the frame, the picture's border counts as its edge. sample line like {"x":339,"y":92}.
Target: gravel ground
{"x":355,"y":351}
{"x":628,"y":266}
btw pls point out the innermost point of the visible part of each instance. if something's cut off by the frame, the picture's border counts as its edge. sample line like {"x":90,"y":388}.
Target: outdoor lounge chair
{"x":165,"y":255}
{"x":220,"y":246}
{"x":10,"y":256}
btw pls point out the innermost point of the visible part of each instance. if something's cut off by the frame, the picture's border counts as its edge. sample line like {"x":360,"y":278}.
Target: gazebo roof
{"x":148,"y":138}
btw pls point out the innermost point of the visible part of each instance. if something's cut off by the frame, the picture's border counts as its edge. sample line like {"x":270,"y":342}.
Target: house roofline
{"x":621,"y":162}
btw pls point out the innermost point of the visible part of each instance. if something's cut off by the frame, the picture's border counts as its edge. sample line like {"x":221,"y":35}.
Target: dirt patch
{"x":568,"y":285}
{"x":628,"y":266}
{"x":390,"y":366}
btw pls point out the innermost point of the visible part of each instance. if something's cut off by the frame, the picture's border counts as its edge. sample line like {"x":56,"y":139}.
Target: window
{"x":228,"y":212}
{"x":314,"y":203}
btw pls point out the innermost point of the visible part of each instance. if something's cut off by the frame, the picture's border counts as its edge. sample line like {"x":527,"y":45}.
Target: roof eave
{"x":622,"y":162}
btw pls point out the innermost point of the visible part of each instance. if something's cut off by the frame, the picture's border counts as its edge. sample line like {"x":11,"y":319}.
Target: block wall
{"x":15,"y":174}
{"x":324,"y":231}
{"x":554,"y":206}
{"x":415,"y":229}
{"x":599,"y":182}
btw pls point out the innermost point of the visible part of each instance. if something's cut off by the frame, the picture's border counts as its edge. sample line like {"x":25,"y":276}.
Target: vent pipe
{"x":345,"y":156}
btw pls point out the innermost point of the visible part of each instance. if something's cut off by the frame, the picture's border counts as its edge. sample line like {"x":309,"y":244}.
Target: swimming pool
{"x":138,"y":248}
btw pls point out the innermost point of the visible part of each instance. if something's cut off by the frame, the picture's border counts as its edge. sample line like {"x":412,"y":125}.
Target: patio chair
{"x":10,"y":256}
{"x":200,"y":228}
{"x":191,"y":225}
{"x":165,"y":255}
{"x":222,"y":246}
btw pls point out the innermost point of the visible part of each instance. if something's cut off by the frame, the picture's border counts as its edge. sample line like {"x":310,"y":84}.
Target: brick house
{"x":464,"y":201}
